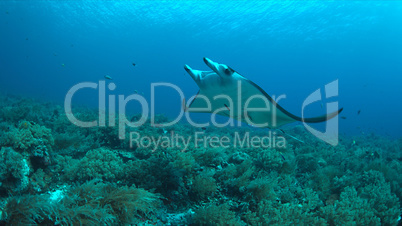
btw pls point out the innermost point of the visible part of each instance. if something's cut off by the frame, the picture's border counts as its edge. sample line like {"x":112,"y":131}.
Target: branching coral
{"x":27,"y":210}
{"x":130,"y":204}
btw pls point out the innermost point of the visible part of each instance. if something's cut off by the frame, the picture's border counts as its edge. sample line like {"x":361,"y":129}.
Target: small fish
{"x":204,"y":128}
{"x":133,"y":64}
{"x":135,"y":91}
{"x":322,"y":105}
{"x":108,"y":77}
{"x":358,"y":112}
{"x":63,"y":65}
{"x":343,"y":117}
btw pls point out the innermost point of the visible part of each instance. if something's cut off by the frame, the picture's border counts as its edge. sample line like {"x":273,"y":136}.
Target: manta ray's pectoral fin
{"x":199,"y":103}
{"x":193,"y":73}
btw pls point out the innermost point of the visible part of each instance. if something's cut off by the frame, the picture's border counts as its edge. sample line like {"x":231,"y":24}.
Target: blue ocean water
{"x":286,"y":47}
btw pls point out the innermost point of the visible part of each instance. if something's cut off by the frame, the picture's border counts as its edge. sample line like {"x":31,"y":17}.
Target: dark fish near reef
{"x":358,"y":112}
{"x":343,"y":117}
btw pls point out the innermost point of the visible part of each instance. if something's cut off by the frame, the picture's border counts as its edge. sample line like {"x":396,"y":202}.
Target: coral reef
{"x":213,"y":214}
{"x":30,"y":137}
{"x":55,"y":173}
{"x":91,"y":203}
{"x":99,"y":163}
{"x":14,"y":171}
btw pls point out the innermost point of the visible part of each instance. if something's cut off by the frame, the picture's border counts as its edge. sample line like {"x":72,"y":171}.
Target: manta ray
{"x":225,"y":92}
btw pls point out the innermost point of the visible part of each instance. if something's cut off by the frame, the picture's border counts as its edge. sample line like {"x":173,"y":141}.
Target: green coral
{"x":373,"y":205}
{"x":39,"y":181}
{"x":31,"y":137}
{"x":155,"y":173}
{"x":213,"y":214}
{"x":209,"y":156}
{"x":184,"y":161}
{"x":378,"y":192}
{"x":237,"y":176}
{"x":14,"y":113}
{"x":14,"y":170}
{"x":350,"y":210}
{"x":269,"y":160}
{"x":373,"y":191}
{"x":274,"y":213}
{"x":262,"y":188}
{"x":99,"y":163}
{"x":204,"y":184}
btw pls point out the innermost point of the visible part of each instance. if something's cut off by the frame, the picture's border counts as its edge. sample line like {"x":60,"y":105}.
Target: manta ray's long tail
{"x":321,"y":118}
